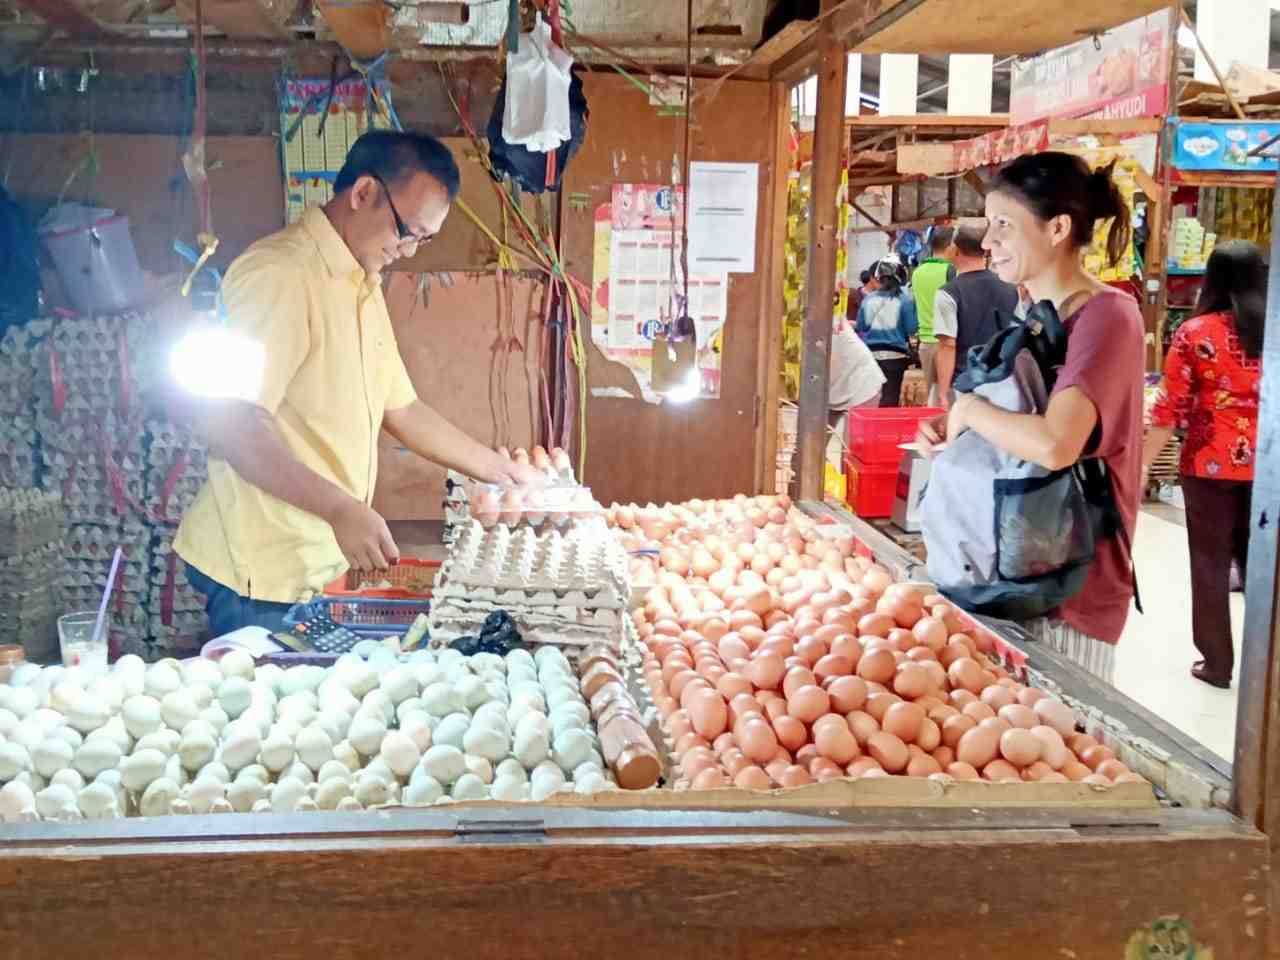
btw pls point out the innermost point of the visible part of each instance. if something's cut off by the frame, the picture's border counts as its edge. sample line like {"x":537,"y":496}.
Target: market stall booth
{"x":566,"y":799}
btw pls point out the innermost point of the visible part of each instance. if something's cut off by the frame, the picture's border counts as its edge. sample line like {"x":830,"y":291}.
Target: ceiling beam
{"x":65,"y":16}
{"x":852,"y":22}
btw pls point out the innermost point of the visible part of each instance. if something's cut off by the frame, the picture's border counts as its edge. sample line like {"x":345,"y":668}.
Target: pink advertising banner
{"x":1120,"y":74}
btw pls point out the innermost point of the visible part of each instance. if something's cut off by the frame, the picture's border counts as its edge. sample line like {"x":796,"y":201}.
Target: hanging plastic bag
{"x":536,"y":112}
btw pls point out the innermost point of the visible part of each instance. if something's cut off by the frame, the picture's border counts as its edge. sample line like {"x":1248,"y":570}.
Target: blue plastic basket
{"x":366,"y":616}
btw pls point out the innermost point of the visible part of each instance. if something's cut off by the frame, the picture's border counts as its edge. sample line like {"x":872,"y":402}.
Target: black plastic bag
{"x":526,"y":167}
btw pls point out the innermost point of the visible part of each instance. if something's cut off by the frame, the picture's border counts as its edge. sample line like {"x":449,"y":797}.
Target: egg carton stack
{"x":567,"y":589}
{"x":177,"y":466}
{"x":19,"y":349}
{"x":31,"y":528}
{"x":177,"y":624}
{"x":89,"y":550}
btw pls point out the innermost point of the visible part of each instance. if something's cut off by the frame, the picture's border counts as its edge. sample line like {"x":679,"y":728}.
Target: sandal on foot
{"x":1199,"y":671}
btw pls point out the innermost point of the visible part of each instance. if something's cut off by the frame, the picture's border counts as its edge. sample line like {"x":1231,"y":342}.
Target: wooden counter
{"x":551,"y":882}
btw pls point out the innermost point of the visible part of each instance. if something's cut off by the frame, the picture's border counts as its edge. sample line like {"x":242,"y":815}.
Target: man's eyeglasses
{"x":406,"y":235}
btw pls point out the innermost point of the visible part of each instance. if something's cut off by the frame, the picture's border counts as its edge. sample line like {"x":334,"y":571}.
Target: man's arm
{"x":945,"y":367}
{"x":428,"y":434}
{"x":244,"y":435}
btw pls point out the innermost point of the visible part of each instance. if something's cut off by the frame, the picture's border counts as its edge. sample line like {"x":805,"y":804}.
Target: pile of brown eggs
{"x":778,"y":658}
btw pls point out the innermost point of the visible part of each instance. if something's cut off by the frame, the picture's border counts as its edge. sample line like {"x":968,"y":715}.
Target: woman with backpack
{"x":886,"y":323}
{"x":1041,"y":211}
{"x":1210,"y":390}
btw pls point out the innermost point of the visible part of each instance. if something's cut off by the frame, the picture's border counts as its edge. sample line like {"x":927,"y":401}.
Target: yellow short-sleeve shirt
{"x":332,"y":369}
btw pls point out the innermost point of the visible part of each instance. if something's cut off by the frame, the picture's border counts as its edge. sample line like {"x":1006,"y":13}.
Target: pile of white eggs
{"x":209,"y":737}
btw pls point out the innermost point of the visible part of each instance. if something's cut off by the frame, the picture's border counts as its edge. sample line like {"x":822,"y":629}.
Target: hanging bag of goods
{"x":1007,"y":537}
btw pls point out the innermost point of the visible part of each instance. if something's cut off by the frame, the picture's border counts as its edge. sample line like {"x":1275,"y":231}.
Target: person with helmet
{"x":886,"y":323}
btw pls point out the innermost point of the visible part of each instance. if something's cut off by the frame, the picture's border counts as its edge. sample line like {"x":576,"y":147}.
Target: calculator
{"x":319,"y":634}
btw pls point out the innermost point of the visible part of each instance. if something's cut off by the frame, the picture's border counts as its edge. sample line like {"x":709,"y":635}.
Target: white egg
{"x":378,"y":703}
{"x":243,"y":794}
{"x":142,"y":715}
{"x":216,"y":717}
{"x":334,"y":769}
{"x":360,"y":679}
{"x":428,"y":673}
{"x":201,"y":672}
{"x":509,"y":790}
{"x":23,"y":701}
{"x":331,"y":793}
{"x":314,"y":747}
{"x":8,"y":721}
{"x":113,"y":730}
{"x":110,"y":689}
{"x":592,"y":782}
{"x":531,"y":748}
{"x":240,"y":746}
{"x":51,"y":755}
{"x":349,"y":804}
{"x":161,"y":680}
{"x":54,"y":802}
{"x":97,"y":801}
{"x":473,"y":692}
{"x":277,"y":751}
{"x":96,"y":755}
{"x":178,"y":709}
{"x":400,"y":753}
{"x":157,"y":798}
{"x":480,"y":767}
{"x":469,"y":787}
{"x":180,"y":806}
{"x":534,"y":722}
{"x":286,"y":794}
{"x":166,"y":741}
{"x":175,"y":771}
{"x":423,"y":790}
{"x":409,"y":707}
{"x":221,"y":805}
{"x":347,"y":755}
{"x":484,"y":741}
{"x":366,"y":733}
{"x":418,"y":730}
{"x":234,"y":696}
{"x":218,"y":771}
{"x":196,"y":749}
{"x":15,"y":799}
{"x":399,"y":684}
{"x":14,"y":758}
{"x":88,"y":713}
{"x":495,"y":688}
{"x":203,"y":792}
{"x":441,"y":699}
{"x":372,"y":792}
{"x":512,"y":769}
{"x":301,"y":772}
{"x":28,"y":734}
{"x":452,"y":730}
{"x":237,"y":663}
{"x":444,"y":762}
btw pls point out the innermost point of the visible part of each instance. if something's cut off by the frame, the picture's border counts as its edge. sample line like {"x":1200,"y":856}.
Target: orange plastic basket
{"x":410,"y":578}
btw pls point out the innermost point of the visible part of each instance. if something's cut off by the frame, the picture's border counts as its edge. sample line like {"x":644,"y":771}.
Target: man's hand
{"x":931,"y":433}
{"x":521,"y":475}
{"x":363,"y":536}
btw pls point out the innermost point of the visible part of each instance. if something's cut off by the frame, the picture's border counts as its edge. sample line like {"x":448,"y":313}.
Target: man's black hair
{"x":391,"y":155}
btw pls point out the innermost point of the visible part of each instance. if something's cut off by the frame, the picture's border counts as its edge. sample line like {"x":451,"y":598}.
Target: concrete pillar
{"x":1232,"y":30}
{"x":853,"y":86}
{"x":969,"y":84}
{"x":899,"y":75}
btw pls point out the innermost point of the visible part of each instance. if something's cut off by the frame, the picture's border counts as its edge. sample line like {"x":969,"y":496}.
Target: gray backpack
{"x":1007,"y":537}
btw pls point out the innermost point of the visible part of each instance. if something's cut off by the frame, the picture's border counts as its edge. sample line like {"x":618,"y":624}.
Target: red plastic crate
{"x":875,"y":432}
{"x":410,"y":579}
{"x":871,"y":487}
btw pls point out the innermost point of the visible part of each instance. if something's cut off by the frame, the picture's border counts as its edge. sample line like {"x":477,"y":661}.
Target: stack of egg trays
{"x":30,"y":600}
{"x":172,"y":452}
{"x":20,"y":350}
{"x":89,"y":550}
{"x":188,"y":627}
{"x":29,"y":519}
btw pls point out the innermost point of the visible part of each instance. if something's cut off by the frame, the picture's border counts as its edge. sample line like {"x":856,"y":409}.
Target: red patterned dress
{"x":1210,"y":390}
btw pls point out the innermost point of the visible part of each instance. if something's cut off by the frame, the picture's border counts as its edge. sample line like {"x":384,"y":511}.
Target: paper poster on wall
{"x":639,"y":286}
{"x":722,"y":217}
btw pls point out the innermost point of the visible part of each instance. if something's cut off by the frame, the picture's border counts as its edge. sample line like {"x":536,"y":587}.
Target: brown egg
{"x":863,"y":725}
{"x":734,"y":761}
{"x":911,"y":680}
{"x":811,"y":650}
{"x":923,"y":766}
{"x":806,"y":755}
{"x":860,"y":766}
{"x":1030,"y":696}
{"x":831,"y":666}
{"x":731,"y":684}
{"x":724,"y":742}
{"x":820,"y":765}
{"x":1054,"y":777}
{"x":1095,"y":756}
{"x":775,"y":768}
{"x":953,"y":728}
{"x":752,"y":778}
{"x":695,"y":763}
{"x":795,"y":776}
{"x":796,"y":678}
{"x":678,"y":724}
{"x":942,"y":713}
{"x":847,"y":693}
{"x":1020,"y":747}
{"x":878,"y":704}
{"x":1111,"y":769}
{"x":1052,"y":750}
{"x":710,"y":779}
{"x":877,"y":666}
{"x":837,"y":744}
{"x":757,"y":739}
{"x":997,"y":724}
{"x":1078,"y":742}
{"x":930,"y":632}
{"x":978,"y":711}
{"x":1056,"y":714}
{"x":977,"y":747}
{"x":689,"y":740}
{"x":732,"y":646}
{"x":929,"y":736}
{"x":945,"y":756}
{"x":1075,"y":770}
{"x":1001,"y":771}
{"x":682,"y":680}
{"x":903,"y":720}
{"x":790,"y":732}
{"x":961,"y":698}
{"x":997,"y":696}
{"x":889,"y":750}
{"x":1016,"y":715}
{"x":829,"y":719}
{"x":966,"y":673}
{"x":847,"y":646}
{"x":962,"y":771}
{"x":775,"y":708}
{"x":1097,"y":780}
{"x":922,"y":654}
{"x":875,"y":625}
{"x":808,"y":703}
{"x":709,"y":713}
{"x":766,"y":670}
{"x":1037,"y":771}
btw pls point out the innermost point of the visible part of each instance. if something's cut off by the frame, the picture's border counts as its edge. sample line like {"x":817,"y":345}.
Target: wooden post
{"x":1255,"y":781}
{"x":820,"y":287}
{"x":1159,"y":223}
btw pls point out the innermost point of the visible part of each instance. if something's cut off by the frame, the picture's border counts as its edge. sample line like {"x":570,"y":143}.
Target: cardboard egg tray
{"x":19,"y":461}
{"x":29,"y":519}
{"x":31,"y":570}
{"x":521,"y":567}
{"x":176,"y":468}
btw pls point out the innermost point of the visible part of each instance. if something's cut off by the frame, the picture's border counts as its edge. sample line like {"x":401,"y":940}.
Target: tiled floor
{"x":1155,"y":653}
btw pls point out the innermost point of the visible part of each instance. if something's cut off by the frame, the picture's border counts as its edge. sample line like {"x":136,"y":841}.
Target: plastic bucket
{"x":98,"y":265}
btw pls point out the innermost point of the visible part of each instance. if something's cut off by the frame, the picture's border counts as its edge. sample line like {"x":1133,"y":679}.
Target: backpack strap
{"x":1096,"y":482}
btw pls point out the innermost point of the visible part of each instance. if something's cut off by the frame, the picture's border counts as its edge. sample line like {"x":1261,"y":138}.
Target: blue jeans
{"x":230,"y":611}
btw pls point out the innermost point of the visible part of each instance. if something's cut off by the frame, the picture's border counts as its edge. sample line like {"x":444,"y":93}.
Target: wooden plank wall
{"x":637,"y":451}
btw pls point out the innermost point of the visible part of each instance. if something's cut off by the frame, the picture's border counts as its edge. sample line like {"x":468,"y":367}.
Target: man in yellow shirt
{"x":286,"y":508}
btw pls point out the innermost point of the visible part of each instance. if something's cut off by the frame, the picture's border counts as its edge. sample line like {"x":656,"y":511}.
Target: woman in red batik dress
{"x":1210,"y":390}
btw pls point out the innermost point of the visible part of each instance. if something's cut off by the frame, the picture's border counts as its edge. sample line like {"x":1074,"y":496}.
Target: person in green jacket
{"x":929,"y":277}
